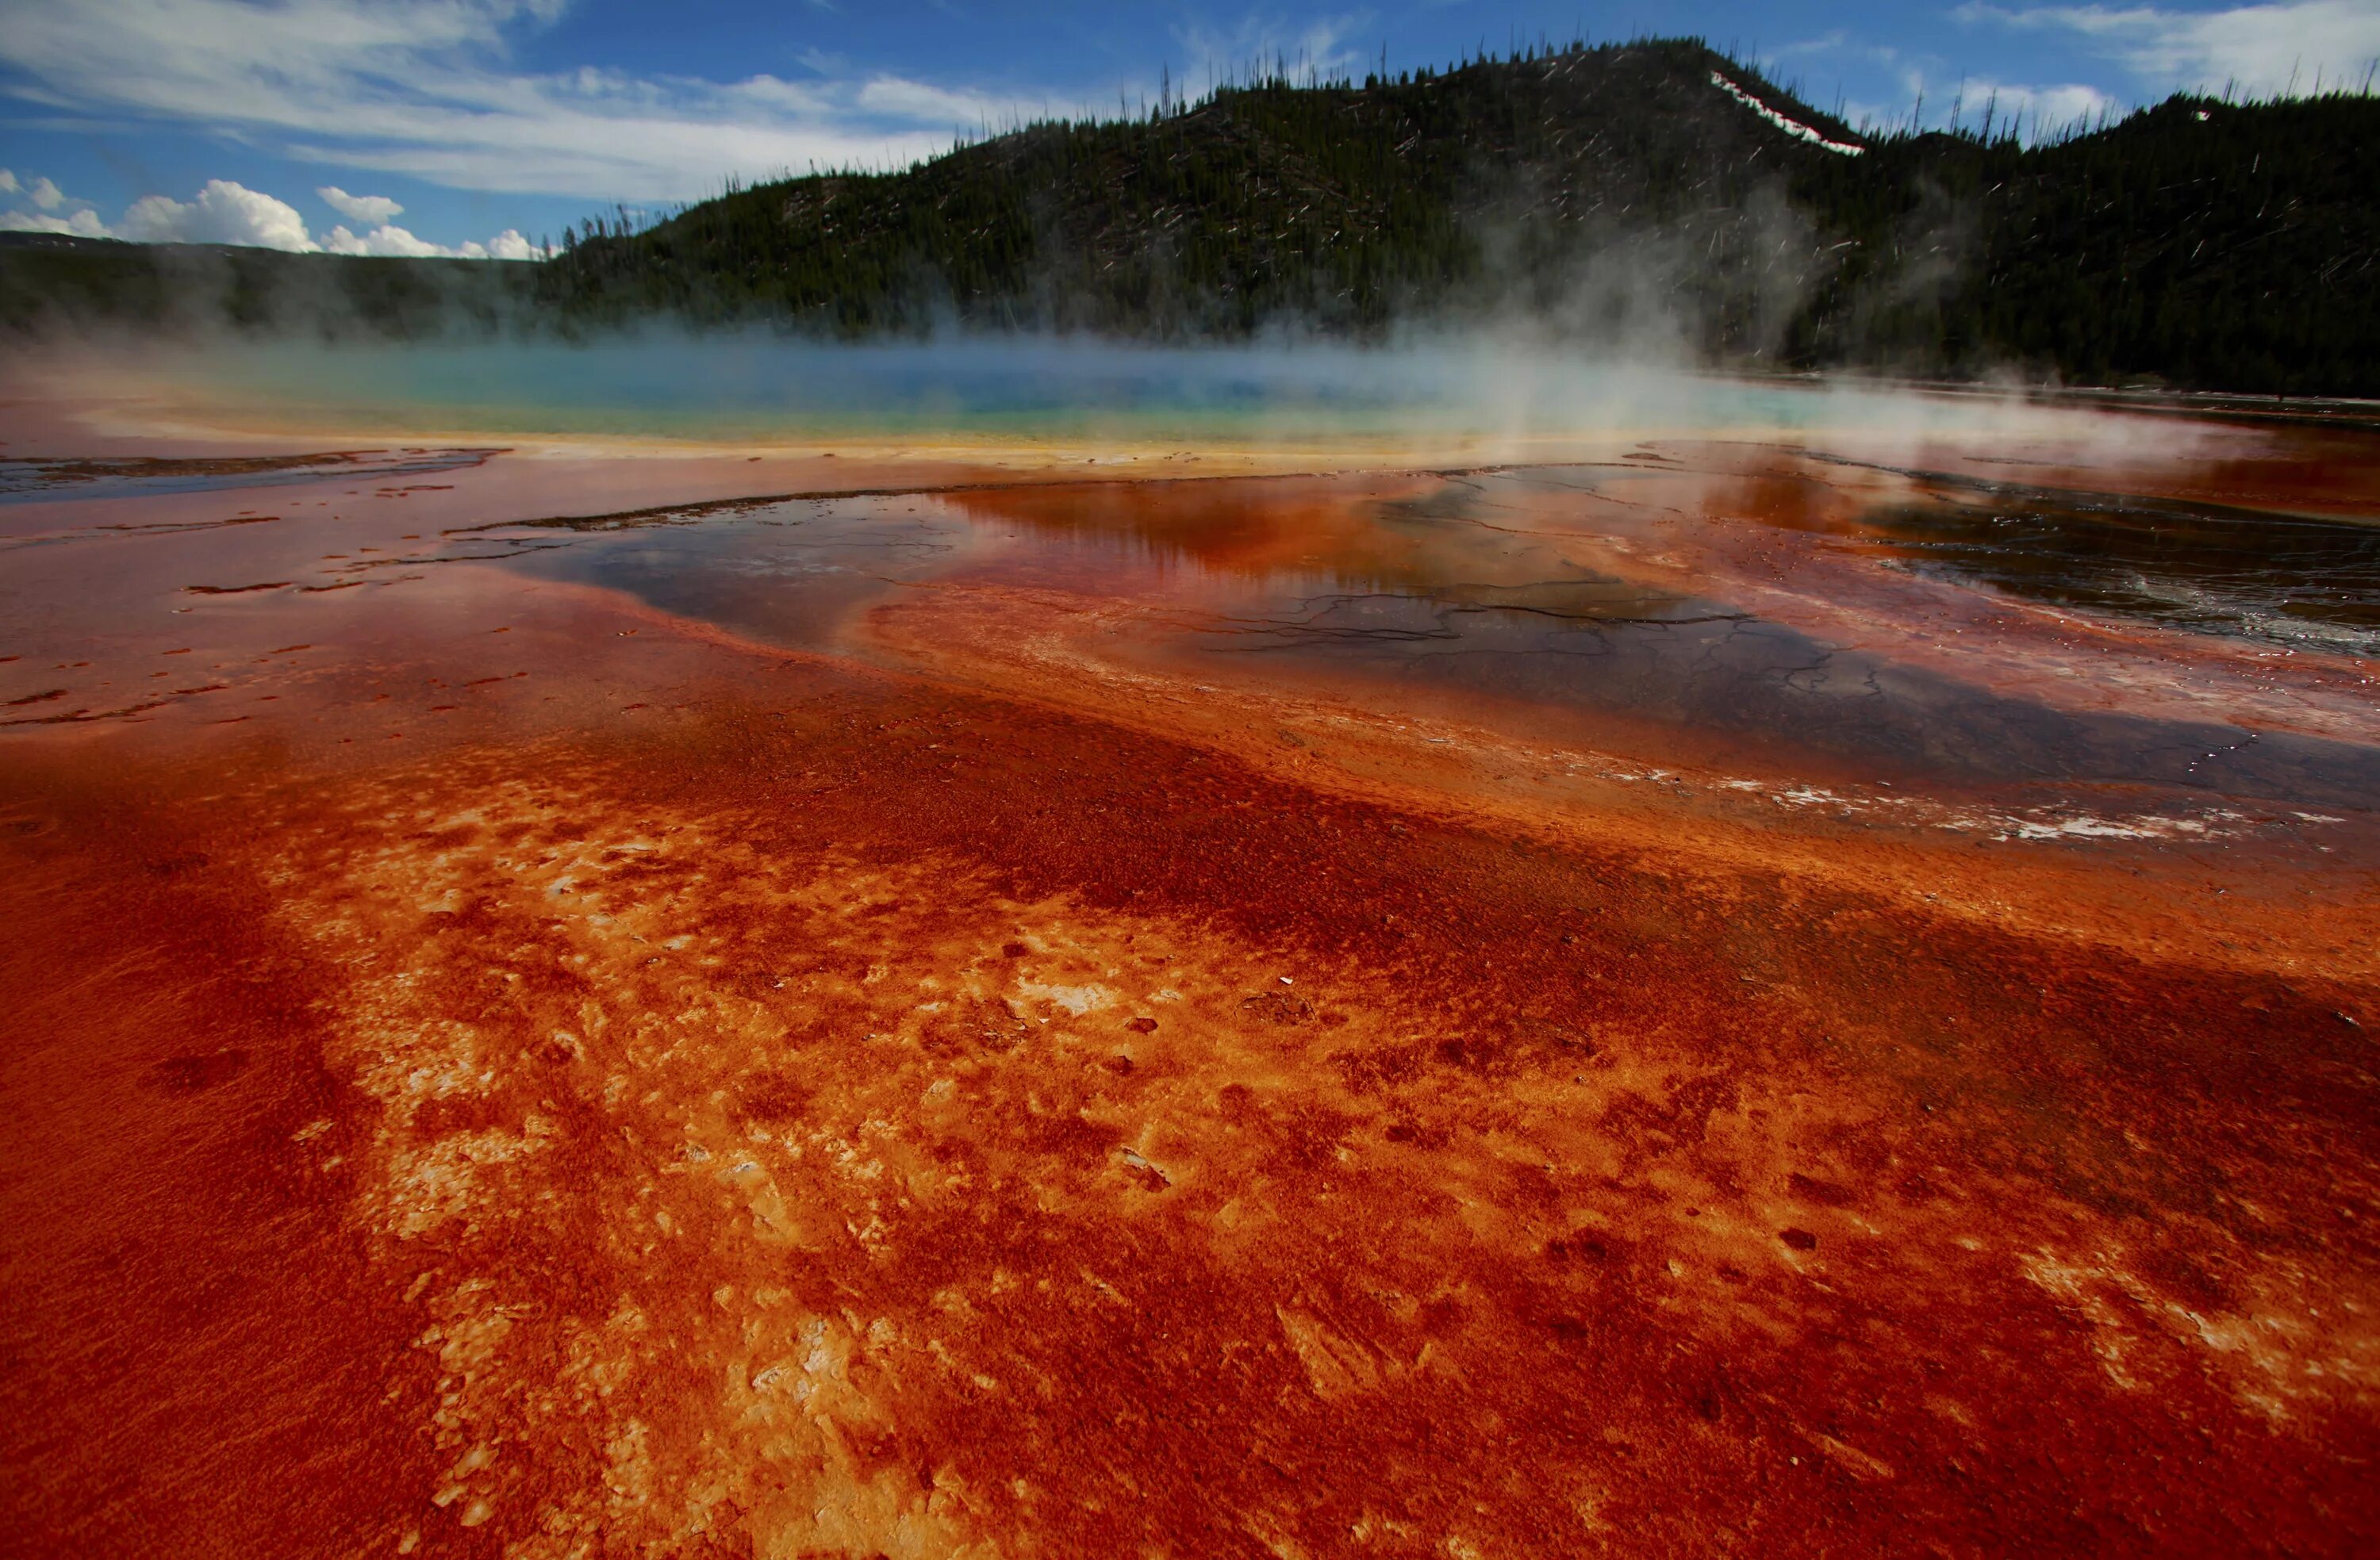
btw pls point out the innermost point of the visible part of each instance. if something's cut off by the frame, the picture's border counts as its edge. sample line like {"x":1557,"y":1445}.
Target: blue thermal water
{"x":757,"y":388}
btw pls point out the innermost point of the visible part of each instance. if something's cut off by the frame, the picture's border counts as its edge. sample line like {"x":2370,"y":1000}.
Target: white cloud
{"x":229,"y":212}
{"x":768,"y":91}
{"x":421,"y":87}
{"x":388,"y":240}
{"x":2031,"y":110}
{"x":2261,"y":49}
{"x":900,"y":99}
{"x":8,"y":182}
{"x":382,"y":240}
{"x":45,"y":195}
{"x":369,"y":209}
{"x":82,"y":225}
{"x":1260,"y":45}
{"x":2017,"y":108}
{"x":224,"y":212}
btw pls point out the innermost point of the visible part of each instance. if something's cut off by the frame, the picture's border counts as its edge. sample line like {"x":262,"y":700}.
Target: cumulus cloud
{"x":419,"y":87}
{"x":82,"y":225}
{"x":382,"y":240}
{"x":373,"y":210}
{"x":2264,"y":49}
{"x":229,"y":212}
{"x":224,"y":212}
{"x":47,"y":215}
{"x":389,"y":240}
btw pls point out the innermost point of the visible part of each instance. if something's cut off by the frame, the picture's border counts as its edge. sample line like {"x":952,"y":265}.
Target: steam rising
{"x":1481,"y":396}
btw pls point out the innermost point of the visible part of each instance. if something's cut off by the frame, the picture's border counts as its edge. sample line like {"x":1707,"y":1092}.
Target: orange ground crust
{"x":495,"y":1067}
{"x":865,"y":1118}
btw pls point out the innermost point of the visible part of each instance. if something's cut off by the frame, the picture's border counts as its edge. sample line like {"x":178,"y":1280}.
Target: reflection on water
{"x":1541,"y":594}
{"x":1762,"y":688}
{"x":1776,"y":607}
{"x":792,"y":572}
{"x":2287,"y":579}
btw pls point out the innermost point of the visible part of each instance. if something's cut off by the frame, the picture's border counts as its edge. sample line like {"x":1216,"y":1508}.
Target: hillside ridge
{"x":1651,"y":195}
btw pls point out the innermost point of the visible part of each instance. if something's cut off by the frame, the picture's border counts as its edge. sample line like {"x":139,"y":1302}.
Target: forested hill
{"x":1648,"y":193}
{"x":1603,"y":191}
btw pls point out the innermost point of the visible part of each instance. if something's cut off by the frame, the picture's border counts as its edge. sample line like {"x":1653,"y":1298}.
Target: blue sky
{"x":478,"y":125}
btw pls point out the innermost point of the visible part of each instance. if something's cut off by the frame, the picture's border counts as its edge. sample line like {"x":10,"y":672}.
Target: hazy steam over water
{"x":728,"y":389}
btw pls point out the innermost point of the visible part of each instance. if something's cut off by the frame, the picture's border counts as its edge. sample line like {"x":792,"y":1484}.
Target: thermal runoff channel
{"x":956,"y":949}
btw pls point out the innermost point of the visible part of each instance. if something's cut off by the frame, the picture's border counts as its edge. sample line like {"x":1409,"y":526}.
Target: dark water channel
{"x":1409,"y":595}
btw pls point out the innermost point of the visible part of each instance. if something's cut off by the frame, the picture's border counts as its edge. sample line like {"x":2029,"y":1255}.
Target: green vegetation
{"x":1598,"y":193}
{"x":48,"y":282}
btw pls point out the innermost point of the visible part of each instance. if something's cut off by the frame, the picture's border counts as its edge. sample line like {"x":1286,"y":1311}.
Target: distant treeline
{"x":1609,"y":194}
{"x":49,"y":282}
